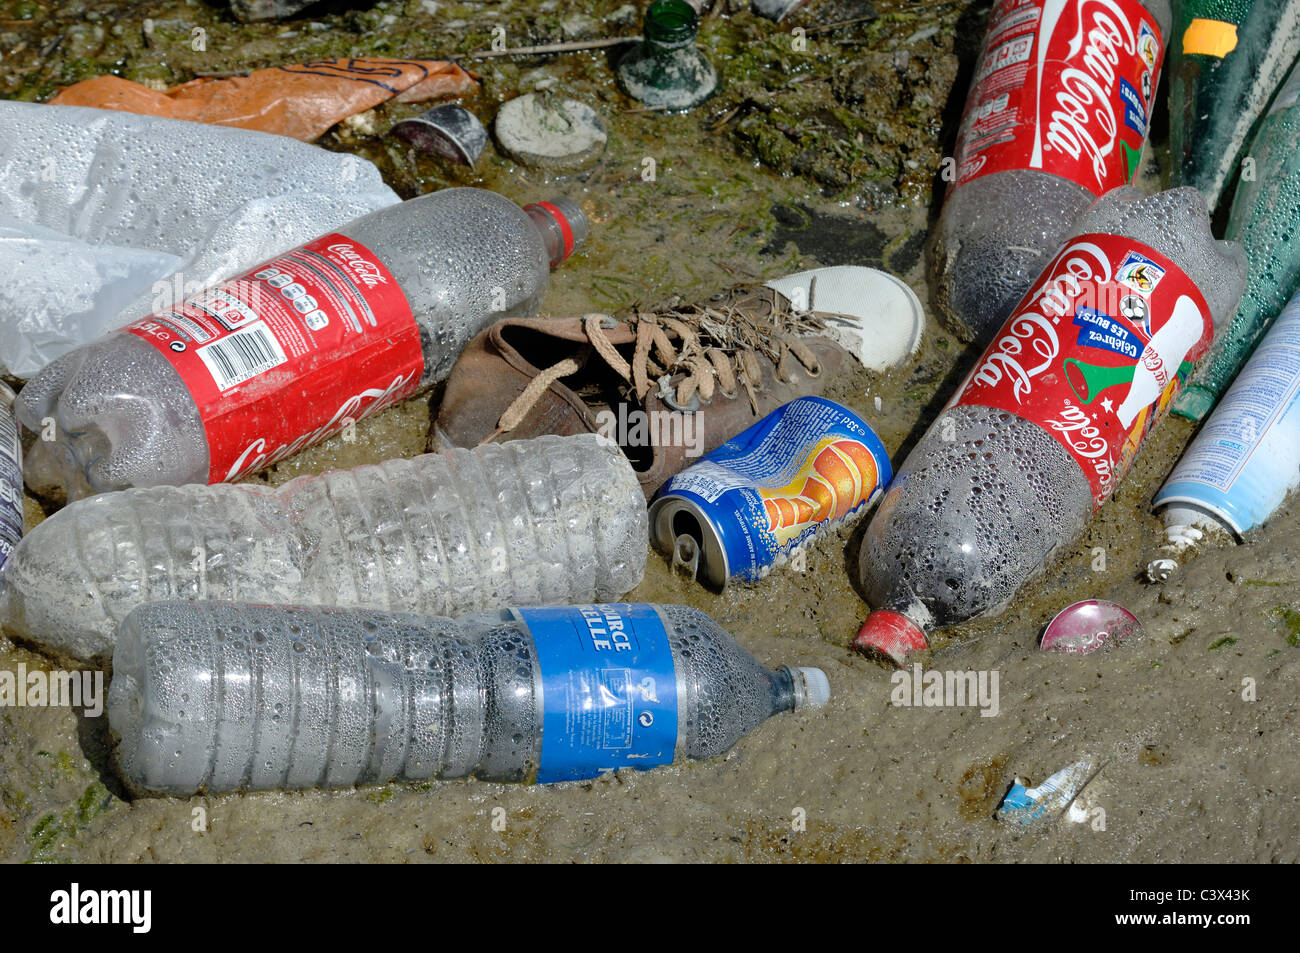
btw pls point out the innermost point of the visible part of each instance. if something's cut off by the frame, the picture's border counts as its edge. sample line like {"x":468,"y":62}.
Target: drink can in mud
{"x":803,"y":470}
{"x":11,"y":477}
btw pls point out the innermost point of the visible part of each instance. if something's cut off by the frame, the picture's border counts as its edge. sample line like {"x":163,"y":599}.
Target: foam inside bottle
{"x":997,"y":232}
{"x":968,"y":520}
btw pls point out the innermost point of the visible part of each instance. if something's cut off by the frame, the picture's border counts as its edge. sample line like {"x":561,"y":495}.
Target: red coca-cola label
{"x":290,"y":352}
{"x":1064,"y":86}
{"x":1095,"y":352}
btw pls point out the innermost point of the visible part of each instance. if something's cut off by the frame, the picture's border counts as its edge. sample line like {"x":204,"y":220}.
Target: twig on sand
{"x":553,"y":47}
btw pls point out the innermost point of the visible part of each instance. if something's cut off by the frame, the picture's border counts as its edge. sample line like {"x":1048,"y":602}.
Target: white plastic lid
{"x":889,"y":317}
{"x":816,"y":687}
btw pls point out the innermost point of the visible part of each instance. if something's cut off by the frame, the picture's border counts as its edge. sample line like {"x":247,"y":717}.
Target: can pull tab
{"x":686,"y":556}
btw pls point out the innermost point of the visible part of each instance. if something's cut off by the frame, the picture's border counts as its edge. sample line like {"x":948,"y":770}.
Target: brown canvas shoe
{"x":668,"y":387}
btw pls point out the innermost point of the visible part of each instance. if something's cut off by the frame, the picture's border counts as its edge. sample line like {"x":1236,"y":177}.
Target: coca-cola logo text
{"x":351,"y":410}
{"x":363,"y":269}
{"x":1081,"y":117}
{"x":1029,"y":343}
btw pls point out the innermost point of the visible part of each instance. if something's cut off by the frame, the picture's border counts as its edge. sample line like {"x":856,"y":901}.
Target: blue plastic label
{"x":609,"y":689}
{"x":807,"y":465}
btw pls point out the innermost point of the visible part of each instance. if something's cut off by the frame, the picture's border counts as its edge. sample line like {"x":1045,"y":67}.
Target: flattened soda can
{"x":801,"y":471}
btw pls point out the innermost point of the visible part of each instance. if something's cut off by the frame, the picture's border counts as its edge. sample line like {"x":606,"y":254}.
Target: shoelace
{"x":717,"y":353}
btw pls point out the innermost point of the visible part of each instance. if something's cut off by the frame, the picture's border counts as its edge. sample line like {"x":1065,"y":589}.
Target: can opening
{"x":686,"y":553}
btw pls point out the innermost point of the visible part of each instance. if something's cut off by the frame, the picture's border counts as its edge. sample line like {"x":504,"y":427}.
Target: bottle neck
{"x":561,"y":225}
{"x":784,"y":697}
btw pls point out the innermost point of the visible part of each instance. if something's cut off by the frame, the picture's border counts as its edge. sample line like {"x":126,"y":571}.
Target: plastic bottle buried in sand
{"x":1051,"y":417}
{"x":256,"y":368}
{"x":219,"y":697}
{"x":1225,"y":62}
{"x":548,"y":520}
{"x":1246,"y":458}
{"x":1265,"y":211}
{"x":1056,"y":116}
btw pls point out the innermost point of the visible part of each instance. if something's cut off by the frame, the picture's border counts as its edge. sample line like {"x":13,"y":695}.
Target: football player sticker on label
{"x":290,"y":352}
{"x":1096,"y":350}
{"x":1065,"y":87}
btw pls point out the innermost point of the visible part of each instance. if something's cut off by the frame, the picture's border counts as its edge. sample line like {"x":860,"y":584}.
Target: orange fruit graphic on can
{"x":745,"y":507}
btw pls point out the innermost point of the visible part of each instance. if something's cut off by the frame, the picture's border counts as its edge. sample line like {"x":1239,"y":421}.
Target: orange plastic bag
{"x":301,"y":101}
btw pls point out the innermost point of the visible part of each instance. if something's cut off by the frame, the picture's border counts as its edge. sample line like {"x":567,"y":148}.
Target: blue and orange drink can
{"x":803,"y":470}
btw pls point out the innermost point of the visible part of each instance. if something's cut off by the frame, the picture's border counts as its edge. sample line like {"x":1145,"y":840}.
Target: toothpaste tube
{"x":1246,"y":458}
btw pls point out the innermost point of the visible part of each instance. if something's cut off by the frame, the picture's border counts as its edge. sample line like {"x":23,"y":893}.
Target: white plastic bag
{"x":105,"y":216}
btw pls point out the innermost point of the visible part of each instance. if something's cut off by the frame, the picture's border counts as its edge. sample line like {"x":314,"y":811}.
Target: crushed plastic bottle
{"x":100,"y":211}
{"x":1051,"y":417}
{"x":549,"y":520}
{"x":219,"y":697}
{"x":1034,"y":150}
{"x":250,"y":371}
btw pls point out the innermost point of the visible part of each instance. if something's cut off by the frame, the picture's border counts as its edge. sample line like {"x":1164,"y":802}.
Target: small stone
{"x":579,"y":27}
{"x":542,"y":131}
{"x":626,"y":15}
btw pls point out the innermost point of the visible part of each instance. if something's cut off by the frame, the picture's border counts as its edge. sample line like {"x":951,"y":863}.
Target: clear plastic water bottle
{"x":241,"y":375}
{"x":221,"y":697}
{"x":1050,"y":418}
{"x":1056,"y":115}
{"x":548,"y":520}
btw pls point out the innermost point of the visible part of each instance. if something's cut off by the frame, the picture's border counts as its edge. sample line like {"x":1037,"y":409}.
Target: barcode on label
{"x":250,"y":351}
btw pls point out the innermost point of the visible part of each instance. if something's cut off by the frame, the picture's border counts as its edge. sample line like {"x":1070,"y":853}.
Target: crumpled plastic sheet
{"x":101,"y":212}
{"x":302,"y":100}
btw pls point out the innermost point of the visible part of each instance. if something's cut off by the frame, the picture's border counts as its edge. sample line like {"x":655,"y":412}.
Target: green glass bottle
{"x":1225,"y":60}
{"x":1265,"y":219}
{"x":666,"y":70}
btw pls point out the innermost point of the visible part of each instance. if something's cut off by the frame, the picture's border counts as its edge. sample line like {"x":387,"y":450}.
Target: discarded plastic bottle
{"x":100,"y":210}
{"x":1264,"y":215}
{"x":1029,"y":448}
{"x":256,"y":368}
{"x":666,"y":70}
{"x":220,"y":697}
{"x":1034,"y":149}
{"x":548,"y":520}
{"x":1226,"y":61}
{"x":1246,"y":458}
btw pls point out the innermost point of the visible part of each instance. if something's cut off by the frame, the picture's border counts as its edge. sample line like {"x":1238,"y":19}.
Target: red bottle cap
{"x":563,"y":224}
{"x":890,"y":634}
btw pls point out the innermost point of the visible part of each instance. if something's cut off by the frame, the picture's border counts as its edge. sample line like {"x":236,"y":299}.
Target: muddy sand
{"x":827,"y":155}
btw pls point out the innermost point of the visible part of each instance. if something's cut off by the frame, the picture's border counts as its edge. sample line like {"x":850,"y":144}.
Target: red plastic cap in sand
{"x":890,"y":634}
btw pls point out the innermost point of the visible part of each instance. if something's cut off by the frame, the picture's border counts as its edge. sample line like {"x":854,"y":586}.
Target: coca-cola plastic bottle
{"x":1051,"y":417}
{"x":1056,"y":115}
{"x":245,"y":373}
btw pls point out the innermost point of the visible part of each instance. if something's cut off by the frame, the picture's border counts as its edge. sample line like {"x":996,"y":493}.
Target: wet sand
{"x":1195,"y":769}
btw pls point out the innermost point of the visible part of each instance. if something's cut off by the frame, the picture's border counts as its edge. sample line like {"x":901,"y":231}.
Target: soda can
{"x":803,"y":470}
